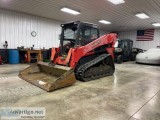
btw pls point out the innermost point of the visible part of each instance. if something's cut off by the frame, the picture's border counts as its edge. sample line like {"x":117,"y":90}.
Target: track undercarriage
{"x":96,"y":68}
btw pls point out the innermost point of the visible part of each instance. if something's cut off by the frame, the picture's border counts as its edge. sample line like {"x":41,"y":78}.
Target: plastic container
{"x":13,"y":56}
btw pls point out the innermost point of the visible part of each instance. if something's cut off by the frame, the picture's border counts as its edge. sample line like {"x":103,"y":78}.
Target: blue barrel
{"x":13,"y":56}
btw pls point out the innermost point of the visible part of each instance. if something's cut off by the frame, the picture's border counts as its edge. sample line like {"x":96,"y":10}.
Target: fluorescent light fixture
{"x":68,"y":10}
{"x":116,"y":2}
{"x":142,"y":15}
{"x":156,"y":24}
{"x":104,"y":22}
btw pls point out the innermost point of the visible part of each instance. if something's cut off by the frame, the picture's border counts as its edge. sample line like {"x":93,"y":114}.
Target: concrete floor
{"x":133,"y":93}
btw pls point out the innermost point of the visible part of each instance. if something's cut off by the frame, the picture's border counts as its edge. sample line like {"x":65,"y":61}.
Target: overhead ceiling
{"x":122,"y":16}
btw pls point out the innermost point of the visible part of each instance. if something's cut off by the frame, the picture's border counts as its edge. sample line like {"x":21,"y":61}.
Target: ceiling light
{"x":142,"y":15}
{"x":116,"y":1}
{"x":156,"y":24}
{"x":71,"y":11}
{"x":104,"y":22}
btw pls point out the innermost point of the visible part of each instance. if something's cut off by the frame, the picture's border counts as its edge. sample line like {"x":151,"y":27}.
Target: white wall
{"x":16,"y":28}
{"x":141,"y":44}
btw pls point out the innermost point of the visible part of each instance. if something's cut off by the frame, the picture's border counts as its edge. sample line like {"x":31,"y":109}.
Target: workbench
{"x":38,"y":52}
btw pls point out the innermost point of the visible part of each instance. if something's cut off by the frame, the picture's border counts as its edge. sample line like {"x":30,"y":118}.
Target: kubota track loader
{"x":82,"y":55}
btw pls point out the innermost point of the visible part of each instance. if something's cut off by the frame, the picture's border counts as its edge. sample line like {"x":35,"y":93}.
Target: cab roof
{"x":79,"y":22}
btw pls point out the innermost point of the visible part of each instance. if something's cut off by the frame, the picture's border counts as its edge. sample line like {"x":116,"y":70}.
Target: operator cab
{"x":77,"y":34}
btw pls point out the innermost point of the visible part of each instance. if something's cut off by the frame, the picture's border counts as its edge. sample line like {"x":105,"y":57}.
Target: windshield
{"x":70,"y":32}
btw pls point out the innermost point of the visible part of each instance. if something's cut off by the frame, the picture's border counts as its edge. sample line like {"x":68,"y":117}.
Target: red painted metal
{"x":75,"y":54}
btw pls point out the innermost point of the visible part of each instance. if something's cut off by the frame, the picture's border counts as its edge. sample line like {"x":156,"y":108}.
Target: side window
{"x":94,"y":33}
{"x":87,"y":32}
{"x":90,"y":33}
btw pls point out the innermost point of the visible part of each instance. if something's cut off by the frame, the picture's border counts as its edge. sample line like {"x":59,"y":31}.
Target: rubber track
{"x":89,"y":64}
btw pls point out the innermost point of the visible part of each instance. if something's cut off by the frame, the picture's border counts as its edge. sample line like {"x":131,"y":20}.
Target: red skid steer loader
{"x":82,"y":55}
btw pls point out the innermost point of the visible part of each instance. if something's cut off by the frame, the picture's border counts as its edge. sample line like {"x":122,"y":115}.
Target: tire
{"x":119,"y":59}
{"x":133,"y":58}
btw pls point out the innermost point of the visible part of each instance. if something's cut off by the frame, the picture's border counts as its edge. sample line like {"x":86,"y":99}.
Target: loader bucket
{"x":48,"y":77}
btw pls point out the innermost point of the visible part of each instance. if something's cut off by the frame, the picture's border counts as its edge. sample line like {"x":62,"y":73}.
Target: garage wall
{"x":16,"y":28}
{"x":141,"y":44}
